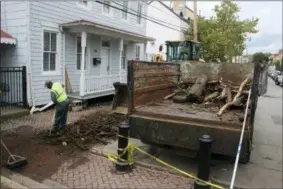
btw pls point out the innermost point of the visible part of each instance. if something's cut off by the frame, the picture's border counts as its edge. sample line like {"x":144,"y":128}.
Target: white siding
{"x":71,"y":61}
{"x":158,"y":11}
{"x":14,"y":20}
{"x":55,"y":13}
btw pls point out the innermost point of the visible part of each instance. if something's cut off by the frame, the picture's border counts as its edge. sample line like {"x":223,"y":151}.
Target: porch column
{"x":144,"y":52}
{"x":121,"y":43}
{"x":82,"y":78}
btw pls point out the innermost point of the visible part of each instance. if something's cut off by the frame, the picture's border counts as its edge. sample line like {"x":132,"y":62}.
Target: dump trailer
{"x":163,"y":123}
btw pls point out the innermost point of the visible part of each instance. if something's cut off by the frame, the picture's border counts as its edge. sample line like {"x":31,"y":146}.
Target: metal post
{"x":24,"y":86}
{"x":122,"y":163}
{"x":204,"y":162}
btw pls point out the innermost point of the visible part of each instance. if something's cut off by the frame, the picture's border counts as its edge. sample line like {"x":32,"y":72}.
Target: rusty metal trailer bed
{"x":164,"y":123}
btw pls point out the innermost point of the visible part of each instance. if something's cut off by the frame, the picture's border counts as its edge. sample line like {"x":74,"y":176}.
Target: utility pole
{"x":195,"y":22}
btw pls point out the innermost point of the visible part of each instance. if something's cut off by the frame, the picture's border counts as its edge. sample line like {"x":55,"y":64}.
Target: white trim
{"x":87,"y":56}
{"x":110,"y":14}
{"x":127,"y":19}
{"x":64,"y":56}
{"x":82,"y":76}
{"x":110,"y":52}
{"x":5,"y":40}
{"x":87,"y":7}
{"x":137,"y":46}
{"x":30,"y":94}
{"x":121,"y":45}
{"x":142,"y":20}
{"x":58,"y":66}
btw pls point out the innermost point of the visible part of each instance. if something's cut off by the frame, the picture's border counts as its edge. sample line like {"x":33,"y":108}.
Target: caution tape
{"x":130,"y":149}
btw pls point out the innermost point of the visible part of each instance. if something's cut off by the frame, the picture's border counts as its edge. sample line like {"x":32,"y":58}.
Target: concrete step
{"x":28,"y":182}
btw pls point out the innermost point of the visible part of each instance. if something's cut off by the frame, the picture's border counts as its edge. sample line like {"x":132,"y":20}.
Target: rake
{"x":14,"y":161}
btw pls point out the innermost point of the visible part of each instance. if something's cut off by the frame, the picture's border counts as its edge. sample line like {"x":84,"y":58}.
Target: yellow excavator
{"x":179,"y":51}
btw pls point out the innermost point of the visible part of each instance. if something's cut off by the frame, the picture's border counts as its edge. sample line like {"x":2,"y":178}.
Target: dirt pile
{"x":95,"y":128}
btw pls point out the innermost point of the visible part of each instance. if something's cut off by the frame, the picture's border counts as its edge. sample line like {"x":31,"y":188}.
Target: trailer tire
{"x":247,"y":156}
{"x":180,"y":99}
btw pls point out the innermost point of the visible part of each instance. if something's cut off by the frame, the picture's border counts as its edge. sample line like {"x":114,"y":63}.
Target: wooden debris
{"x":236,"y":100}
{"x":223,"y":94}
{"x":211,"y":96}
{"x":196,"y":91}
{"x":229,"y":94}
{"x":217,"y":94}
{"x":169,"y":96}
{"x":94,"y":128}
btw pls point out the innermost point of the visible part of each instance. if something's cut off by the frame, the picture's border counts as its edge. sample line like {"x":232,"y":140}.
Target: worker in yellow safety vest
{"x":61,"y":101}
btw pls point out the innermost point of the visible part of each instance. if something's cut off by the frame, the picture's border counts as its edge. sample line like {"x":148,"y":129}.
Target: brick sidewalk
{"x":93,"y":171}
{"x":42,"y":120}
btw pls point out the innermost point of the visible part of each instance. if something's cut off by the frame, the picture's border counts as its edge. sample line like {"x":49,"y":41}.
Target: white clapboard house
{"x":83,"y":44}
{"x":171,"y":27}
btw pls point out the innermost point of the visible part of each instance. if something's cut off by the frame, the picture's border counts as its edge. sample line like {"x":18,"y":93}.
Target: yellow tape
{"x":130,"y":149}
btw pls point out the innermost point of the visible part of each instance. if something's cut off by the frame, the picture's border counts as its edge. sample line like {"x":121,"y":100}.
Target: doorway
{"x":105,"y":58}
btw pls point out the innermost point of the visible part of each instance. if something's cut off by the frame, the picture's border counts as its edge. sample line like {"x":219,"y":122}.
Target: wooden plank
{"x":152,"y":88}
{"x":68,"y":83}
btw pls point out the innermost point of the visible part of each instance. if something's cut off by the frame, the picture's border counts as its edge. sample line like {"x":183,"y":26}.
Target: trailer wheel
{"x":180,"y":99}
{"x":247,"y":156}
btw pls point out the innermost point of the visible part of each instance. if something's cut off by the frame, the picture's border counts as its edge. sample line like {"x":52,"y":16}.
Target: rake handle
{"x":11,"y":155}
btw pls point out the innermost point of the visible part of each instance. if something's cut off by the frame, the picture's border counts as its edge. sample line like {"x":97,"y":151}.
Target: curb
{"x":23,"y":180}
{"x":8,"y":183}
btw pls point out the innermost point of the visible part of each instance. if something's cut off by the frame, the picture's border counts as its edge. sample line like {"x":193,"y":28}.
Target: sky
{"x":269,"y":13}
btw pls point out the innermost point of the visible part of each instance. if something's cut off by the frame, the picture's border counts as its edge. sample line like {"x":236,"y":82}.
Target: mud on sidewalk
{"x":72,"y":164}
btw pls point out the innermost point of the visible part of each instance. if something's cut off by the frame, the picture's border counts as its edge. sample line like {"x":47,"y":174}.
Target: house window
{"x":83,"y":3}
{"x":138,"y":49}
{"x":125,"y":10}
{"x":79,"y":53}
{"x":124,"y":51}
{"x":106,"y":7}
{"x":49,"y":51}
{"x":139,"y":12}
{"x":106,"y":44}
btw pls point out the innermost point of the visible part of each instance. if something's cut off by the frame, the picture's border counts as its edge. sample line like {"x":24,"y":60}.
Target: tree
{"x":261,"y":57}
{"x":223,"y":36}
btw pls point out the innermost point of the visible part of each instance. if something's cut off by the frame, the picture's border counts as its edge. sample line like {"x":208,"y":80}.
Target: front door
{"x":105,"y":58}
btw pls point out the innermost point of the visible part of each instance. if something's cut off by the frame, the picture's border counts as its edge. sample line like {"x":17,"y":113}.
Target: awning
{"x":7,"y":38}
{"x":100,"y":28}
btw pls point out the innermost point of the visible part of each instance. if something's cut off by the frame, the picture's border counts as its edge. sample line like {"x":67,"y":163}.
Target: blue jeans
{"x":61,"y":114}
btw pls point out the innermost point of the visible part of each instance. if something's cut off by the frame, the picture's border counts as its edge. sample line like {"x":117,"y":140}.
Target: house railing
{"x":13,"y":87}
{"x":95,"y":84}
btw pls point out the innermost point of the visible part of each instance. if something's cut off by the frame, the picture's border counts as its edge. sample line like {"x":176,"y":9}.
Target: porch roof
{"x":113,"y":31}
{"x":7,"y":38}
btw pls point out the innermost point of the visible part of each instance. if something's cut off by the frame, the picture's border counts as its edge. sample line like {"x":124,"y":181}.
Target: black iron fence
{"x":13,"y":87}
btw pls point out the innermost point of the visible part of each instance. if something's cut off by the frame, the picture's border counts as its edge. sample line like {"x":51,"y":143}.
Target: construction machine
{"x":186,"y":50}
{"x":182,"y":51}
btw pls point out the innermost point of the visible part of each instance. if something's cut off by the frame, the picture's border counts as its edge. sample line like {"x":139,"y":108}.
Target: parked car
{"x":275,"y":74}
{"x":279,"y":79}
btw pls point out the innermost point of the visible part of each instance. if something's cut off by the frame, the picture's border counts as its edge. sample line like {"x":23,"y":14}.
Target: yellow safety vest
{"x":59,"y":91}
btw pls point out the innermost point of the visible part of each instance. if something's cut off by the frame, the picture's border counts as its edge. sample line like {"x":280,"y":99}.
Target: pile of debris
{"x":97,"y":127}
{"x":212,"y":93}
